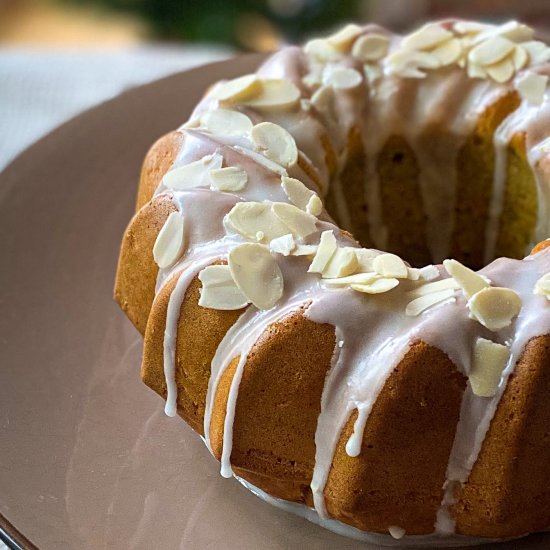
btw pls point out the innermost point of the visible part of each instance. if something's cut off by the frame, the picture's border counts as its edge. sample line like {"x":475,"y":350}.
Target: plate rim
{"x":9,"y":533}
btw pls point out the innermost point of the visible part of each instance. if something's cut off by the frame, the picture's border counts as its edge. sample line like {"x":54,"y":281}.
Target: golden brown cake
{"x":371,"y":385}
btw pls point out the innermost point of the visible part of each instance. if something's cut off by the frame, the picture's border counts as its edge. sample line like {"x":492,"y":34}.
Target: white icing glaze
{"x":446,"y":102}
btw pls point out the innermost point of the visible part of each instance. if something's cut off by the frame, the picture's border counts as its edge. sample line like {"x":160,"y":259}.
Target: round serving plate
{"x":88,"y":460}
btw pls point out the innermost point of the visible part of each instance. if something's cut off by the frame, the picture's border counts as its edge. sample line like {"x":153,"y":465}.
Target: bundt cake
{"x":378,"y":388}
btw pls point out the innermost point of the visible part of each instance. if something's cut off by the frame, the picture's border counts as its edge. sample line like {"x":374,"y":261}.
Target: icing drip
{"x":434,"y":115}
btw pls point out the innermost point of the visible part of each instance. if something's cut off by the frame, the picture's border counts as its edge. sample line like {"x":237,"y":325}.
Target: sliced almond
{"x":520,"y":58}
{"x":224,"y":122}
{"x":283,"y":245}
{"x":219,"y":290}
{"x":327,"y":247}
{"x":365,"y":258}
{"x":390,"y":265}
{"x":257,"y":274}
{"x":323,"y":101}
{"x":262,"y":160}
{"x":503,"y":71}
{"x":341,"y":264}
{"x":437,"y":286}
{"x":449,"y":52}
{"x":469,"y":27}
{"x":408,"y":63}
{"x":488,"y":362}
{"x":378,"y":286}
{"x":396,"y":532}
{"x":491,"y":51}
{"x":305,"y":250}
{"x":297,"y":192}
{"x":495,"y":307}
{"x":532,"y":87}
{"x":542,"y":286}
{"x":342,"y":78}
{"x":371,"y":47}
{"x":277,"y":94}
{"x":314,"y":205}
{"x":424,"y":302}
{"x":476,"y":71}
{"x":169,"y":244}
{"x":194,"y":174}
{"x":427,"y":37}
{"x":470,"y":282}
{"x":250,"y":218}
{"x":300,"y":223}
{"x":537,"y":51}
{"x":238,"y":89}
{"x":343,"y":39}
{"x":231,"y":179}
{"x":357,"y":279}
{"x":275,"y":143}
{"x":321,"y":49}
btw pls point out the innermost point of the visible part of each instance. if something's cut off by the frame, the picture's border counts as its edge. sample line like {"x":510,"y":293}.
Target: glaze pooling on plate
{"x":444,"y":75}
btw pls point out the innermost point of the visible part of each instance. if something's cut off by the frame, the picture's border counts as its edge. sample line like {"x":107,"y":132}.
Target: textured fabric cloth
{"x":40,"y":90}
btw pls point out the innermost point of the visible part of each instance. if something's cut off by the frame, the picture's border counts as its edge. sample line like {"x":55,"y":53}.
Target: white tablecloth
{"x":41,"y":90}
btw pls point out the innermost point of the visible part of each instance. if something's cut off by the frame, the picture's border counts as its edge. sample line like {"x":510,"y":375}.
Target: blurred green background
{"x":256,"y":25}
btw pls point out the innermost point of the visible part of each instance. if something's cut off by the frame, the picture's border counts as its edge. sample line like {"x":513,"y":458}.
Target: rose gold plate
{"x":88,"y":459}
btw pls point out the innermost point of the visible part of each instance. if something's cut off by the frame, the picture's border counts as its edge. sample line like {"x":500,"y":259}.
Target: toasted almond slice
{"x":342,"y":78}
{"x":283,"y":245}
{"x":491,"y":51}
{"x":262,"y":160}
{"x":219,"y":290}
{"x":341,"y":264}
{"x":413,"y":273}
{"x":422,"y":303}
{"x":231,"y":179}
{"x":476,"y":71}
{"x":514,"y":31}
{"x":277,"y":94}
{"x":371,"y":47}
{"x":488,"y":362}
{"x":323,"y":101}
{"x":407,"y":63}
{"x":314,"y":205}
{"x":396,"y":532}
{"x":169,"y":244}
{"x":532,"y":87}
{"x":327,"y":247}
{"x":538,"y":52}
{"x":321,"y":49}
{"x":194,"y":174}
{"x":238,"y":89}
{"x":427,"y":37}
{"x":542,"y":286}
{"x":297,"y":192}
{"x":495,"y":307}
{"x":250,"y":218}
{"x":300,"y":223}
{"x":275,"y":143}
{"x":305,"y":250}
{"x":449,"y":52}
{"x":502,"y":71}
{"x":390,"y":265}
{"x":378,"y":286}
{"x":356,"y":279}
{"x":343,"y":39}
{"x":365,"y":259}
{"x":470,"y":282}
{"x":520,"y":58}
{"x":430,"y":288}
{"x":224,"y":122}
{"x":257,"y":274}
{"x":470,"y":27}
